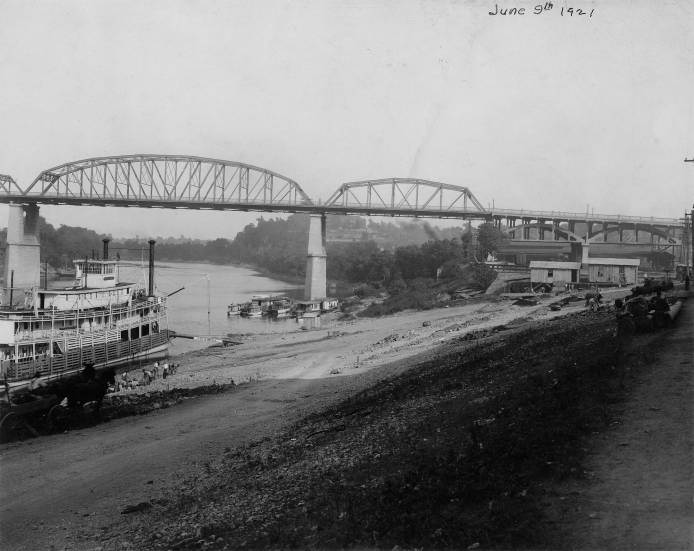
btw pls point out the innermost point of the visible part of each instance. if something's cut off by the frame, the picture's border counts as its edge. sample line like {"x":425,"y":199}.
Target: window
{"x":135,"y":333}
{"x":124,"y":335}
{"x":550,"y":272}
{"x":145,"y":330}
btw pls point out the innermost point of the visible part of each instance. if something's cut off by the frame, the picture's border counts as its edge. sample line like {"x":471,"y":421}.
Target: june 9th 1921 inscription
{"x":538,"y":9}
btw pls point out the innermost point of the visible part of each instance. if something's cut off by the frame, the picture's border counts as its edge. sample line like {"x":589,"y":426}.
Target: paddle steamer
{"x":97,"y":320}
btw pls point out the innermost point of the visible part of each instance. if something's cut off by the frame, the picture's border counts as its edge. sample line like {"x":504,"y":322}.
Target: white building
{"x":605,"y":271}
{"x":613,"y":271}
{"x":554,"y":272}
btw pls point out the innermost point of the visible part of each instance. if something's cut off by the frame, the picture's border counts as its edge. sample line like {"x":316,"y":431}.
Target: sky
{"x":544,"y":111}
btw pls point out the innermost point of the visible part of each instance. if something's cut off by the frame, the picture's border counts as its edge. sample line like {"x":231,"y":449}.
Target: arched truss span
{"x":653,"y":230}
{"x":570,"y":236}
{"x":405,"y":196}
{"x":165,"y":180}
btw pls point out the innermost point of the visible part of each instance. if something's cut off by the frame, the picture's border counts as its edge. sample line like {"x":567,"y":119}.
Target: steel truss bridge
{"x":186,"y":182}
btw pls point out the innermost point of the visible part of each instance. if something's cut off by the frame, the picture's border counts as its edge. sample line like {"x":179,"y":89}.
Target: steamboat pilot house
{"x":98,"y":320}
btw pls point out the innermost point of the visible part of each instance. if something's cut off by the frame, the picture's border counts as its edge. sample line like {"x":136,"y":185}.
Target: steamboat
{"x":98,"y":320}
{"x":262,"y":305}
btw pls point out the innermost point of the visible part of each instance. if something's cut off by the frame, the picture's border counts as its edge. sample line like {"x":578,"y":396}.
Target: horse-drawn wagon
{"x":53,"y":407}
{"x":30,"y":414}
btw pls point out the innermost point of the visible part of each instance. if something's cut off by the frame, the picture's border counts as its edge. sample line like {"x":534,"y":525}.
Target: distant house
{"x":613,"y":271}
{"x":554,"y":272}
{"x":306,"y":306}
{"x":329,"y":303}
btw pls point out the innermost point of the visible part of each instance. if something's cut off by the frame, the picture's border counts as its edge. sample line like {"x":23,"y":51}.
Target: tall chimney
{"x":151,"y":267}
{"x":106,"y":240}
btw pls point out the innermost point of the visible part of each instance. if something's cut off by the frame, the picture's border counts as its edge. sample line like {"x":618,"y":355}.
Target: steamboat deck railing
{"x":77,"y":353}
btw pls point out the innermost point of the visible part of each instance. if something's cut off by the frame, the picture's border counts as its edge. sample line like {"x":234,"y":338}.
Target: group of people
{"x":149,"y":375}
{"x":647,"y":313}
{"x":594,"y":300}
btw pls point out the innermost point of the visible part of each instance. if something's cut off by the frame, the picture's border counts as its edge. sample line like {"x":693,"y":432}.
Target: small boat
{"x":262,"y":305}
{"x":280,"y":308}
{"x":234,"y":309}
{"x":251,"y":311}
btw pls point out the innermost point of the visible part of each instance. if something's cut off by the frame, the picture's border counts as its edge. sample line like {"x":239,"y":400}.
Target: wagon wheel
{"x":58,"y":418}
{"x":9,"y":426}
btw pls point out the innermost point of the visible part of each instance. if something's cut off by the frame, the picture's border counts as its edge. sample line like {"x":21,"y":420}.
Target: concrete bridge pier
{"x":23,"y":253}
{"x":555,"y":229}
{"x":316,"y":261}
{"x":526,"y":230}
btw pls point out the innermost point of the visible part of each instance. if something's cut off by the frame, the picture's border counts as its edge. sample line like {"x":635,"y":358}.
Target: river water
{"x":222,"y":284}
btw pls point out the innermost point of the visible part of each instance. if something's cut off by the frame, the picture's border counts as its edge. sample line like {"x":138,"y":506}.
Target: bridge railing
{"x":145,"y":200}
{"x":561,"y":215}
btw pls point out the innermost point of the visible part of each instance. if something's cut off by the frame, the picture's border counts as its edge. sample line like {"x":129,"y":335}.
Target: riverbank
{"x":344,"y":347}
{"x":466,"y":448}
{"x":450,"y":453}
{"x":356,"y":426}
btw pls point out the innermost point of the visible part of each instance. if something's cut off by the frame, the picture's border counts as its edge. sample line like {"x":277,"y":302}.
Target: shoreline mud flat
{"x":343,"y":346}
{"x":143,"y":481}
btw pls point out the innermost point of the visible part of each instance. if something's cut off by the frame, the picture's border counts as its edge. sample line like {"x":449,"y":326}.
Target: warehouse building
{"x":613,"y":271}
{"x":554,"y":272}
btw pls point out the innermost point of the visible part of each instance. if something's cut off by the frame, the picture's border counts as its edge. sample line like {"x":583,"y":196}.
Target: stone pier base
{"x":23,"y":253}
{"x":316,"y":261}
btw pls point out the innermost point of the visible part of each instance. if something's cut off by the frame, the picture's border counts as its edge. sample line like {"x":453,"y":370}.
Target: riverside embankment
{"x":332,"y":429}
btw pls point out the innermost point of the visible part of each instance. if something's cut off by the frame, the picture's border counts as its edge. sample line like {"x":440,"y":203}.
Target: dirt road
{"x":639,"y":486}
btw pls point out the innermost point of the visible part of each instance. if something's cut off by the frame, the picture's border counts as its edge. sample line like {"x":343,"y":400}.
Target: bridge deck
{"x":366,"y":210}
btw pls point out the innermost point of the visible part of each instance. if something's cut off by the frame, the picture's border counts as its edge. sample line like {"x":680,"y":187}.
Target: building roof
{"x":554,"y":265}
{"x":614,"y":261}
{"x":94,"y":261}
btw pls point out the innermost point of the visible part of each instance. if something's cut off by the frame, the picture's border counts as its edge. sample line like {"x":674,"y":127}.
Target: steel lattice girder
{"x":403,"y":194}
{"x":8,"y":185}
{"x":167,"y":179}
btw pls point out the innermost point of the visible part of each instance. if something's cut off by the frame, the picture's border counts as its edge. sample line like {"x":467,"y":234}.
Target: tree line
{"x":378,"y":254}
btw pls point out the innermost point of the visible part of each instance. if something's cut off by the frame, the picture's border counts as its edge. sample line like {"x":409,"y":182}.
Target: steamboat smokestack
{"x":106,"y":248}
{"x":151,"y":267}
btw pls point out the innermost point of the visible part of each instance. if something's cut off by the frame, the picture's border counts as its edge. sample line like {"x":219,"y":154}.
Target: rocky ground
{"x":444,"y":429}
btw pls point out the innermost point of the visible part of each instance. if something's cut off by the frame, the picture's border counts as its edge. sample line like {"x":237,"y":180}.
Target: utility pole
{"x":691,"y":222}
{"x":209,"y":324}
